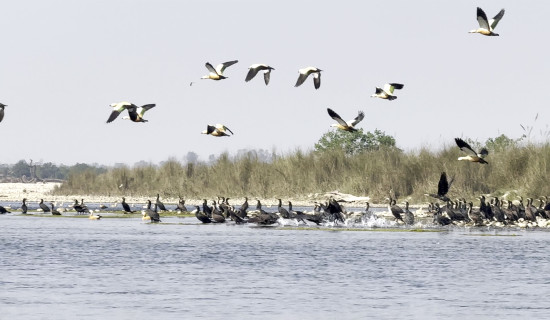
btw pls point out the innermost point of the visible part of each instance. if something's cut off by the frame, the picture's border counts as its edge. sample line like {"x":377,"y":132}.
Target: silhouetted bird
{"x":126,"y":206}
{"x":159,"y":204}
{"x":408,"y":215}
{"x":201,"y":215}
{"x":442,"y":188}
{"x":396,"y":210}
{"x":54,"y":212}
{"x":153,"y":214}
{"x":24,"y":206}
{"x":43,"y":206}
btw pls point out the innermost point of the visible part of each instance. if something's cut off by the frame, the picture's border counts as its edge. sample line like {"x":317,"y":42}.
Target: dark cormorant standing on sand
{"x":24,"y":206}
{"x":126,"y":206}
{"x":159,"y":204}
{"x":282,"y":211}
{"x":43,"y":206}
{"x":153,"y":214}
{"x":396,"y":210}
{"x":201,"y":215}
{"x":54,"y":212}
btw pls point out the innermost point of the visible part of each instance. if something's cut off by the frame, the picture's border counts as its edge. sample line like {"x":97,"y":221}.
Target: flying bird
{"x":117,"y":109}
{"x":345,"y":125}
{"x":217,"y":73}
{"x":305,"y":72}
{"x":387,"y":92}
{"x":217,"y":130}
{"x":486,"y":26}
{"x":442,"y":188}
{"x":473,"y":156}
{"x":135,"y":113}
{"x":255,"y":68}
{"x":2,"y":106}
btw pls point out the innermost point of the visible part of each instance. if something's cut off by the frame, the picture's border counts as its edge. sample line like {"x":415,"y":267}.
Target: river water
{"x":123,"y":268}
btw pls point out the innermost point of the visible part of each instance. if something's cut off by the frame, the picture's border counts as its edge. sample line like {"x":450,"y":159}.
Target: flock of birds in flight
{"x":135,"y":113}
{"x":330,"y":211}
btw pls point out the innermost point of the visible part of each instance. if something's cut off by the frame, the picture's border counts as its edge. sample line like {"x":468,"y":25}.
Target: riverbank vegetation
{"x":515,"y":168}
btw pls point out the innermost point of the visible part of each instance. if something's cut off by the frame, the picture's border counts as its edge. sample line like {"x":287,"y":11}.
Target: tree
{"x":21,"y":168}
{"x":354,"y":142}
{"x":500,"y":143}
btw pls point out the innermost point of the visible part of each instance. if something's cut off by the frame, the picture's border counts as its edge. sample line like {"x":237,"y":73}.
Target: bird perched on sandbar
{"x":217,"y":130}
{"x":255,"y":68}
{"x":345,"y":125}
{"x":387,"y":92}
{"x":486,"y":26}
{"x":217,"y":73}
{"x":474,"y":156}
{"x":305,"y":72}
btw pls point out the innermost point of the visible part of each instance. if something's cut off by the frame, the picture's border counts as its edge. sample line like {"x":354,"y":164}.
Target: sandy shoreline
{"x":14,"y":192}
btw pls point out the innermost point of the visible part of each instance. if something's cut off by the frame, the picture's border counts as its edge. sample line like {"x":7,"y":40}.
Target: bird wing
{"x":378,"y":90}
{"x":221,"y":67}
{"x":388,"y":88}
{"x":317,"y":80}
{"x":251,"y":73}
{"x":482,"y":19}
{"x":336,"y":117}
{"x":226,"y":128}
{"x":397,"y":86}
{"x":210,"y":68}
{"x":222,"y":128}
{"x":360,"y":116}
{"x":443,"y":185}
{"x":301,"y":78}
{"x":144,"y":108}
{"x":113,"y":116}
{"x":463,"y":145}
{"x":493,"y":22}
{"x":267,"y":75}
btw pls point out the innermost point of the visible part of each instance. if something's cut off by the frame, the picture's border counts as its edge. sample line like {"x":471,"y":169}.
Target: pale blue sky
{"x":63,"y":62}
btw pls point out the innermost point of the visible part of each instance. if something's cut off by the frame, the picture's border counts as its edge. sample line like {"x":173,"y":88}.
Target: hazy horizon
{"x":65,"y":62}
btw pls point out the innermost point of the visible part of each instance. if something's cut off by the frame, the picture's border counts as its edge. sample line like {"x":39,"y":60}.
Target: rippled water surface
{"x":123,"y":268}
